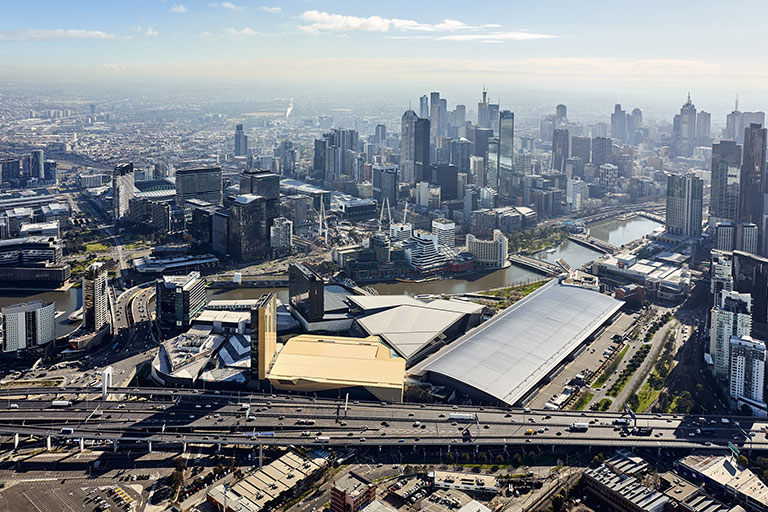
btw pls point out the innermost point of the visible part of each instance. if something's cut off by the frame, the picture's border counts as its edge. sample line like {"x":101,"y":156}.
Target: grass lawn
{"x":647,"y":394}
{"x":96,"y":247}
{"x":136,"y":245}
{"x":583,"y":401}
{"x":604,"y":404}
{"x":611,"y":368}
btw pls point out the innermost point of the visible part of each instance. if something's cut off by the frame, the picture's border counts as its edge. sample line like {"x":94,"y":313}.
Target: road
{"x":164,"y":416}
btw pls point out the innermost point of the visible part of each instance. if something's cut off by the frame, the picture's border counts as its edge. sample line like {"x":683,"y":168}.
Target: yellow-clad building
{"x":312,"y":363}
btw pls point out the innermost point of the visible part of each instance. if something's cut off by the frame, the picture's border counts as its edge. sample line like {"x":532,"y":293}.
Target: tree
{"x":684,"y":403}
{"x":465,"y":458}
{"x":500,"y":459}
{"x":633,"y":401}
{"x":743,"y":461}
{"x":179,"y":464}
{"x":176,"y":480}
{"x":517,"y":460}
{"x":483,"y":458}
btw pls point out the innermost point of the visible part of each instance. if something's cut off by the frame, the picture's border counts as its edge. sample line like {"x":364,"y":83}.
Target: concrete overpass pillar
{"x":149,"y":446}
{"x":477,"y":449}
{"x":553,"y":448}
{"x":106,"y":382}
{"x":184,"y":447}
{"x":261,"y":455}
{"x":218,"y":447}
{"x":379,"y":448}
{"x":658,"y":451}
{"x":114,"y":446}
{"x":16,"y":441}
{"x":82,"y":444}
{"x":48,"y":443}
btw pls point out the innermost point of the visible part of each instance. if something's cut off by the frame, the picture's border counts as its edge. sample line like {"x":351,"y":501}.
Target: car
{"x":486,"y":426}
{"x":350,"y":434}
{"x":558,"y":433}
{"x":411,"y":414}
{"x":362,"y":439}
{"x":401,"y":440}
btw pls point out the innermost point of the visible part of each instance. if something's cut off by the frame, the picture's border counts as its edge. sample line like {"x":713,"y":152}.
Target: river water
{"x":616,"y":232}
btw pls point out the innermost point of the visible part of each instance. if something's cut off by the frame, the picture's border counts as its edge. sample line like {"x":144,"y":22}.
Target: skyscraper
{"x":505,"y":166}
{"x":684,"y":129}
{"x":752,"y":170}
{"x":122,"y":190}
{"x":95,"y":298}
{"x":384,"y":183}
{"x":408,"y":145}
{"x":559,"y":149}
{"x":602,"y":151}
{"x":703,"y":128}
{"x":619,"y":124}
{"x":248,"y":228}
{"x":747,"y":372}
{"x":483,"y":118}
{"x":241,"y":141}
{"x":380,"y":134}
{"x":37,"y":164}
{"x":561,"y":115}
{"x":179,"y":300}
{"x":731,"y":316}
{"x":27,"y":325}
{"x":424,"y":107}
{"x":421,"y":151}
{"x":684,"y":205}
{"x":204,"y":184}
{"x":582,"y":148}
{"x":726,"y":174}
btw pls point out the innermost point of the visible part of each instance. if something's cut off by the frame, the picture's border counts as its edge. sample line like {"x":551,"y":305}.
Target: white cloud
{"x":151,"y":32}
{"x":225,"y":5}
{"x":270,"y":10}
{"x":318,"y":22}
{"x":326,"y":22}
{"x":178,"y":9}
{"x":59,"y":33}
{"x":242,"y":33}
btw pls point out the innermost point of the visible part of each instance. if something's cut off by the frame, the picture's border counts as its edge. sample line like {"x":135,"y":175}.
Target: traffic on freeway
{"x":219,"y":418}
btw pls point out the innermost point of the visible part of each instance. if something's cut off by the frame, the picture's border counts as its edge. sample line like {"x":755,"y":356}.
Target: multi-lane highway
{"x":178,"y":417}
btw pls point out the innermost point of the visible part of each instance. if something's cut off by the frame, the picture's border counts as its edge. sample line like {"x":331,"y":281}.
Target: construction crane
{"x":385,"y":202}
{"x":405,"y":211}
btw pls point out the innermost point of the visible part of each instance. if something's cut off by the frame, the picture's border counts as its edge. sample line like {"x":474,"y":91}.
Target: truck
{"x":61,"y":403}
{"x":621,"y":421}
{"x":725,"y":421}
{"x":460,"y":416}
{"x":322,"y":439}
{"x":66,"y":431}
{"x":579,"y":427}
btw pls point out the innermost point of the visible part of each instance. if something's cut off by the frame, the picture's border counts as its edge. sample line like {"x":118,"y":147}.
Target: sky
{"x":711,"y":48}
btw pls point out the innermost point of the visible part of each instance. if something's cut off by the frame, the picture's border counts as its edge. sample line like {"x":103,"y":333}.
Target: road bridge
{"x":166,"y":417}
{"x":541,"y":266}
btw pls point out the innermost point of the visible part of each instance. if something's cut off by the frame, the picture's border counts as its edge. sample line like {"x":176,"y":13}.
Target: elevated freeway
{"x":176,"y":418}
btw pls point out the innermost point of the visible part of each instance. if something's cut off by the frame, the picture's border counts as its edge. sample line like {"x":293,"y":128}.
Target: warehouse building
{"x":506,"y":358}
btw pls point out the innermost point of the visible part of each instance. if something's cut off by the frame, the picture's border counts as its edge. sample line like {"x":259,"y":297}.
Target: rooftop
{"x":508,"y":355}
{"x":352,"y":483}
{"x":333,"y":362}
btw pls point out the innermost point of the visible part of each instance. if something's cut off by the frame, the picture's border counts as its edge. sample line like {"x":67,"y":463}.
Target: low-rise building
{"x":268,"y":487}
{"x":724,"y":477}
{"x":351,"y":493}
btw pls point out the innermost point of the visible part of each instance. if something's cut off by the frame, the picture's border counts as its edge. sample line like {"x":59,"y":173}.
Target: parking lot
{"x":43,"y":497}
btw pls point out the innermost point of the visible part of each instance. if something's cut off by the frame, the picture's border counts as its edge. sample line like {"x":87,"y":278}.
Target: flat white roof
{"x":506,"y":356}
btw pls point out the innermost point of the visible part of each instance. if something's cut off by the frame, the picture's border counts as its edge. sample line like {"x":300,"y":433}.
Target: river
{"x":616,"y":232}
